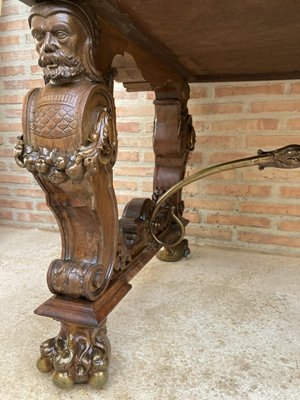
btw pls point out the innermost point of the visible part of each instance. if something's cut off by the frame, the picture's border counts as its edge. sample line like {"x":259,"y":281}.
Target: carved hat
{"x":47,"y":8}
{"x":85,"y":16}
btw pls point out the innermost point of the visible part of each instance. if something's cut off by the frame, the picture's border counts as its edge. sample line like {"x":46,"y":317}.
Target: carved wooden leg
{"x":80,"y":352}
{"x":174,"y":138}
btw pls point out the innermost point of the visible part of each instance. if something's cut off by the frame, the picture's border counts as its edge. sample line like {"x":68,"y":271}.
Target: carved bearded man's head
{"x":65,"y":38}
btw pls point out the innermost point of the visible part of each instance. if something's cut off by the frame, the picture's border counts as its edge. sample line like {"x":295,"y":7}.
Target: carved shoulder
{"x":29,"y":105}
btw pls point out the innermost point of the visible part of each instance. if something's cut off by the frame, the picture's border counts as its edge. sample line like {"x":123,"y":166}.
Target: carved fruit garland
{"x":59,"y":165}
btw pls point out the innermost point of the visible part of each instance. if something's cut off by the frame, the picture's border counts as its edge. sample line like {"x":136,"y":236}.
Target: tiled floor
{"x":222,"y":325}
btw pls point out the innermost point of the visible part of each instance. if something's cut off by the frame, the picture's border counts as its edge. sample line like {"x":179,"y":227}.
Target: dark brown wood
{"x":69,"y":140}
{"x":203,"y":40}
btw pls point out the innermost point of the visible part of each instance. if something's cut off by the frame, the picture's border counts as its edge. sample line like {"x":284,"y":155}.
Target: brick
{"x":5,"y":214}
{"x":6,"y":152}
{"x":137,"y":111}
{"x":9,"y":9}
{"x":9,"y":40}
{"x":192,"y":217}
{"x":5,"y":191}
{"x":32,"y":193}
{"x":290,"y":192}
{"x":199,"y":126}
{"x":15,"y":178}
{"x":42,"y":206}
{"x":245,"y":125}
{"x":18,"y":55}
{"x":269,"y":239}
{"x":23,"y":84}
{"x":128,"y":156}
{"x":128,"y":126}
{"x":290,"y":226}
{"x":11,"y":99}
{"x":133,"y":171}
{"x":13,"y":113}
{"x":35,"y":69}
{"x":120,"y":94}
{"x":199,"y":204}
{"x":215,"y":108}
{"x":147,"y":187}
{"x":16,"y":204}
{"x":293,"y":124}
{"x":295,"y":88}
{"x":271,"y":174}
{"x":192,"y":189}
{"x":195,"y":157}
{"x":137,"y":141}
{"x":217,"y":158}
{"x":198,"y":92}
{"x":39,"y":218}
{"x":13,"y":25}
{"x":150,"y":95}
{"x":208,"y":233}
{"x":9,"y":71}
{"x":239,"y":220}
{"x":222,"y":176}
{"x":246,"y":90}
{"x":149,"y":156}
{"x":270,"y":209}
{"x":282,"y":106}
{"x":238,"y":190}
{"x":123,"y":199}
{"x":270,"y":142}
{"x":217,"y":141}
{"x":11,"y":127}
{"x":125,"y":185}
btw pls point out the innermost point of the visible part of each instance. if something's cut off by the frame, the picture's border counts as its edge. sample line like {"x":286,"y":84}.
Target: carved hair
{"x":47,"y":8}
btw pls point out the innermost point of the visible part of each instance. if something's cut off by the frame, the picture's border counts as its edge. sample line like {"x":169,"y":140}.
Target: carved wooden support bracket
{"x":69,"y":143}
{"x":173,"y":139}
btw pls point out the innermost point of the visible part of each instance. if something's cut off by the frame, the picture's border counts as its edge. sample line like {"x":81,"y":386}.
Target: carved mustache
{"x":59,"y":58}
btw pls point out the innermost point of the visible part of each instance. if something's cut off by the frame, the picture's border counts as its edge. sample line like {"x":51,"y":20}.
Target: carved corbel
{"x":69,"y":144}
{"x":173,"y":139}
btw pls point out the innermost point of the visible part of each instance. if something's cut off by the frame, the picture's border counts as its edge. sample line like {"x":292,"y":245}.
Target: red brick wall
{"x":247,"y":208}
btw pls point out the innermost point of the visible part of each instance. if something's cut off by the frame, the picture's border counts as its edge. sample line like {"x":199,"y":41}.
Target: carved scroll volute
{"x":69,"y":143}
{"x":173,"y":139}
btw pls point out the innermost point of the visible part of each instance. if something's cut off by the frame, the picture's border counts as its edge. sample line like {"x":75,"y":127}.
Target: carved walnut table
{"x":69,"y":141}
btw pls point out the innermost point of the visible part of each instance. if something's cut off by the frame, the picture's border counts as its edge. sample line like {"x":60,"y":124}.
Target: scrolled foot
{"x":174,"y":253}
{"x":77,"y":355}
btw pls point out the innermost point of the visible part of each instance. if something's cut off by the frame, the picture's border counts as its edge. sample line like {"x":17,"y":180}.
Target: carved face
{"x":60,"y":40}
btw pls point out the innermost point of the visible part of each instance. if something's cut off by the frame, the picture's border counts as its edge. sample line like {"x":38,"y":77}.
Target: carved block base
{"x":77,"y":355}
{"x":174,"y":253}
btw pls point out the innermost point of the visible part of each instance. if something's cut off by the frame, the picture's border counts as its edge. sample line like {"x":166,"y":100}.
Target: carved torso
{"x":59,"y":116}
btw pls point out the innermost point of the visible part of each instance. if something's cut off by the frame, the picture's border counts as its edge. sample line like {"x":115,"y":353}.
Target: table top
{"x":211,"y":40}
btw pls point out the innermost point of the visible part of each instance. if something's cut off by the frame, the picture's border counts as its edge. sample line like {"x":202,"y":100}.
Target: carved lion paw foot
{"x":76,"y":355}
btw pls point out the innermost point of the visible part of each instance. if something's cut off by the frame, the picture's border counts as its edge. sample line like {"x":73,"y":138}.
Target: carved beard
{"x":59,"y":67}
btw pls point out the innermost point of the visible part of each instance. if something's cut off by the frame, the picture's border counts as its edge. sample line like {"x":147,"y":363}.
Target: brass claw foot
{"x":77,"y":355}
{"x":174,"y":253}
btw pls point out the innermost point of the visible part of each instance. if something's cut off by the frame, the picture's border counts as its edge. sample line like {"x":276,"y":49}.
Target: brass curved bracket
{"x":285,"y":157}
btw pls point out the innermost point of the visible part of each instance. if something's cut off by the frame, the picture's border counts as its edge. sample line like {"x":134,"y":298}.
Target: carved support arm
{"x":173,"y":139}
